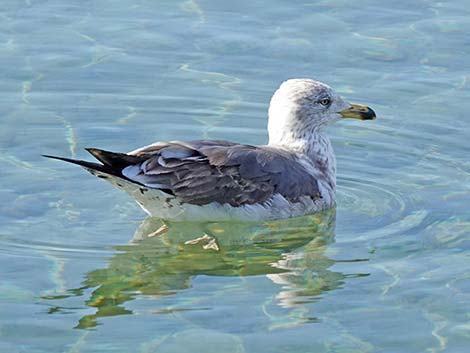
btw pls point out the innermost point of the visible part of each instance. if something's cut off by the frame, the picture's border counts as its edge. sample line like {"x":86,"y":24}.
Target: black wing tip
{"x":59,"y":158}
{"x":114,"y":159}
{"x":84,"y":164}
{"x":93,"y":150}
{"x":112,"y":164}
{"x":99,"y":154}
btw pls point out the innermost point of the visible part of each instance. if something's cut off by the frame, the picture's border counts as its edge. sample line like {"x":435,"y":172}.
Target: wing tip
{"x":98,"y":154}
{"x":93,"y":150}
{"x":84,"y":164}
{"x":65,"y":159}
{"x":114,"y":159}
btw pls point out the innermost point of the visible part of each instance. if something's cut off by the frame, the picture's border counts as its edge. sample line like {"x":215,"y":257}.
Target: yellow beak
{"x":358,"y":111}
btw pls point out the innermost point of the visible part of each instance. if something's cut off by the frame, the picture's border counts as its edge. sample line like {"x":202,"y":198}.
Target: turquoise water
{"x":387,"y":271}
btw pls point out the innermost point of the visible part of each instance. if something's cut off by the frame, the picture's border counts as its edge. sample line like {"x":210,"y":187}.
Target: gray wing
{"x":201,"y":172}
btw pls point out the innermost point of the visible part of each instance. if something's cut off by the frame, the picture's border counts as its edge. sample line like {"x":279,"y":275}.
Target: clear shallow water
{"x":388,"y":272}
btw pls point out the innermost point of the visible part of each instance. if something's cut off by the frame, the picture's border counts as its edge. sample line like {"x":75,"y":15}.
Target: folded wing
{"x":205,"y":171}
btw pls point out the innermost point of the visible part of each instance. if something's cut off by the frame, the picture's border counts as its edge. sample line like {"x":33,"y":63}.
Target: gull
{"x":214,"y":180}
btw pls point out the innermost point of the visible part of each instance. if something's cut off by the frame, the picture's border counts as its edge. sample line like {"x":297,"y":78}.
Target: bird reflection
{"x":163,"y":258}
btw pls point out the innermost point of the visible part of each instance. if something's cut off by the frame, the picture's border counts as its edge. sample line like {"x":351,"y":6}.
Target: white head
{"x":301,"y":108}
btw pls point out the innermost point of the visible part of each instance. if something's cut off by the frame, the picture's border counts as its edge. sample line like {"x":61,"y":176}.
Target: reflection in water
{"x":163,"y":258}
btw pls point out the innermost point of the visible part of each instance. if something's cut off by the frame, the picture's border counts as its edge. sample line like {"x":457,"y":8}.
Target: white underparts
{"x":162,"y":205}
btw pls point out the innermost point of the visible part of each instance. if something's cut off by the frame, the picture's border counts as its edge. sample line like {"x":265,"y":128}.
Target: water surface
{"x":82,"y":270}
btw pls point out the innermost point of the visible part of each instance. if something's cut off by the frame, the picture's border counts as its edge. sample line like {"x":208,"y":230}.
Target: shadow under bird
{"x":293,"y":175}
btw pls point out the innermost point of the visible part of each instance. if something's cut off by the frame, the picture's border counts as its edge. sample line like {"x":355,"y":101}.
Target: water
{"x":386,"y":272}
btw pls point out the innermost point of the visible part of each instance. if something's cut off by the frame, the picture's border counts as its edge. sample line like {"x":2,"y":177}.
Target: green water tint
{"x":290,"y":252}
{"x":118,"y":75}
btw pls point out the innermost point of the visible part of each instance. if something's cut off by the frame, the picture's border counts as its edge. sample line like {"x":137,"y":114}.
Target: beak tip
{"x":370,"y":115}
{"x":359,"y":111}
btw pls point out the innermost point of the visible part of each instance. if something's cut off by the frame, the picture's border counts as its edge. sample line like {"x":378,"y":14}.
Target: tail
{"x":112,"y":163}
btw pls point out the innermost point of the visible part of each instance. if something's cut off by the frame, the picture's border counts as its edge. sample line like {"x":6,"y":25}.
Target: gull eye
{"x":325,"y":101}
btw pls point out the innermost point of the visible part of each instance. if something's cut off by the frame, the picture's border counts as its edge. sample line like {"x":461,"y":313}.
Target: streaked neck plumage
{"x":316,"y":147}
{"x":306,"y":140}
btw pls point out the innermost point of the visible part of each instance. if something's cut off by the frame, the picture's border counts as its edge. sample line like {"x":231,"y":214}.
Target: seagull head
{"x":300,"y":108}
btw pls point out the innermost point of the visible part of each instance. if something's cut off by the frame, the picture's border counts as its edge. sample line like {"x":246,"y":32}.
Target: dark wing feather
{"x":201,"y":172}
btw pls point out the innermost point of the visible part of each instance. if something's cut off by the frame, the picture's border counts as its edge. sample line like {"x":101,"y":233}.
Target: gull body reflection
{"x":163,"y":259}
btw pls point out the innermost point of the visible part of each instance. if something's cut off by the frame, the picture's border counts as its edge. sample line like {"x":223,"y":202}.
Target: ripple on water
{"x":373,"y":207}
{"x":18,"y":246}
